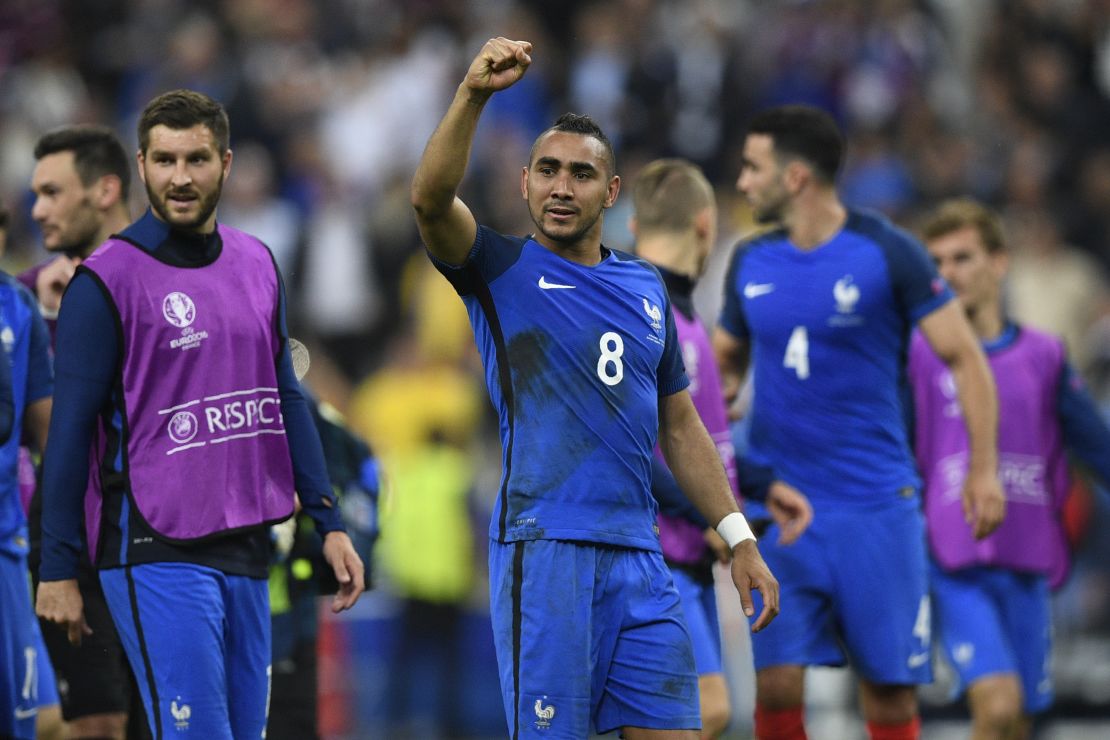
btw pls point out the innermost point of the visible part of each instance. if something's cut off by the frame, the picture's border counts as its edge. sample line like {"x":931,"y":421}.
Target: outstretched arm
{"x":952,"y":339}
{"x":692,"y":457}
{"x":446,"y":224}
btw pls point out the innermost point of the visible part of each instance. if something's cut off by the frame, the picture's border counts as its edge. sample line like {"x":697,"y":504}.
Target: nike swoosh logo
{"x":26,"y":713}
{"x":754,"y":290}
{"x":917,"y":660}
{"x":553,"y":286}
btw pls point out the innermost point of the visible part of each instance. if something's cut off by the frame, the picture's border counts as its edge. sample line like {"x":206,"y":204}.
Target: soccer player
{"x":991,"y":596}
{"x":26,"y":386}
{"x":824,"y":305}
{"x":81,"y":180}
{"x":675,"y":224}
{"x":581,"y":361}
{"x":173,"y":371}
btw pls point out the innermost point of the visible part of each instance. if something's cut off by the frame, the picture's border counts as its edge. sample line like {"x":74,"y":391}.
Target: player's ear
{"x":524,"y":182}
{"x":613,"y":191}
{"x":109,"y":189}
{"x":1000,"y":264}
{"x":704,"y":222}
{"x":796,"y":175}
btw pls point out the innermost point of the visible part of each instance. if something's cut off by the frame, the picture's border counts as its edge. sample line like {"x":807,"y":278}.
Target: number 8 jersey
{"x":828,"y":329}
{"x":575,"y":358}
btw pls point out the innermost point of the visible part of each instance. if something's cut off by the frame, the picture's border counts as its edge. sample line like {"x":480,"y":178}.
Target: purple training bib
{"x":204,"y":445}
{"x":1032,"y":464}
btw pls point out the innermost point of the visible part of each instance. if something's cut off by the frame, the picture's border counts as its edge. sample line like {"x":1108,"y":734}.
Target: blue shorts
{"x":47,"y":681}
{"x":589,"y":635}
{"x":853,"y":587}
{"x":198,"y":641}
{"x":19,"y":684}
{"x":991,"y":621}
{"x":699,"y":605}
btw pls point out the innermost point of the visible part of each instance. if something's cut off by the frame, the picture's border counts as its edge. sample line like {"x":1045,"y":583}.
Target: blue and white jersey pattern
{"x":828,"y":330}
{"x":576,"y":359}
{"x":27,"y":343}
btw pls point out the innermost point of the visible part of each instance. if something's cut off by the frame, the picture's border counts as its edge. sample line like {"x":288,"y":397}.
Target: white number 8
{"x":612,"y":347}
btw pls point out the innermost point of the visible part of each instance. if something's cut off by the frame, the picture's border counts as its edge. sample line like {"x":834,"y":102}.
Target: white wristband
{"x":734,"y":529}
{"x":48,"y":313}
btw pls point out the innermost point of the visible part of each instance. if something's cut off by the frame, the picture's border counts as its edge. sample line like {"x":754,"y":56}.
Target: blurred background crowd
{"x":331,"y":102}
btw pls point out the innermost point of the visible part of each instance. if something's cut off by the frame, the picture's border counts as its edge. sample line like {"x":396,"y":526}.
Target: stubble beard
{"x":563,"y":237}
{"x":207,"y":204}
{"x":770,"y":214}
{"x":82,"y":243}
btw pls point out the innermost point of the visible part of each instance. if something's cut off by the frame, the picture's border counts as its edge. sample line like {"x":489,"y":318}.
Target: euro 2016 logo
{"x":183,"y":427}
{"x":179,"y":309}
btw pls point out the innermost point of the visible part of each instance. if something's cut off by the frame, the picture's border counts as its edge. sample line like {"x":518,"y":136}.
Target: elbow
{"x":423,"y":200}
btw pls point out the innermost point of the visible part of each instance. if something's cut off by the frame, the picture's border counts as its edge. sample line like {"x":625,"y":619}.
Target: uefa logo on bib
{"x":179,"y":309}
{"x":183,"y":427}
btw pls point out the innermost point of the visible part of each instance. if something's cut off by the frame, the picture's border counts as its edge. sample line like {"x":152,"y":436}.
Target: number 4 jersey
{"x":576,"y":359}
{"x":828,"y":329}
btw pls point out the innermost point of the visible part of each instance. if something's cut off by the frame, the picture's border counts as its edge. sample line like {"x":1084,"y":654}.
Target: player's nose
{"x":38,"y":210}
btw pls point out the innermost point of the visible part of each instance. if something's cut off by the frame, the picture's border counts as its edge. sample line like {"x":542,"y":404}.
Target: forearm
{"x":1086,"y":433}
{"x":66,"y":472}
{"x":979,"y":402}
{"x":310,"y":473}
{"x":696,"y":466}
{"x":443,"y":164}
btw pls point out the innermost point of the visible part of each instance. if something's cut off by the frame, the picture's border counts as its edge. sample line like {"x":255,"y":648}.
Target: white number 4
{"x":797,"y":352}
{"x":922,"y":628}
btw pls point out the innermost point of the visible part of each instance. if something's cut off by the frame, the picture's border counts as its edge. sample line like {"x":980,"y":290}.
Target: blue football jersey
{"x":828,"y":330}
{"x":576,"y":359}
{"x":27,"y":341}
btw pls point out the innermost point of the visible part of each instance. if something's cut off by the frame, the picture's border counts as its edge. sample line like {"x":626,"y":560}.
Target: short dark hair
{"x":805,"y":132}
{"x":668,"y":194}
{"x":959,"y":213}
{"x":182,"y":109}
{"x":97,"y":152}
{"x":583,"y":125}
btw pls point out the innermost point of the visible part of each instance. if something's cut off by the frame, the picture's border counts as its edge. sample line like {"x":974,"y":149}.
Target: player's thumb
{"x":746,"y":602}
{"x":969,"y":509}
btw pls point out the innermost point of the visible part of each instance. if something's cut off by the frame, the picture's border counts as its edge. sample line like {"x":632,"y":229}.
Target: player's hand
{"x":60,"y":602}
{"x":790,"y":509}
{"x":984,"y":504}
{"x":750,"y":573}
{"x":52,"y":280}
{"x":499,"y":64}
{"x":347,"y":565}
{"x":717,"y":545}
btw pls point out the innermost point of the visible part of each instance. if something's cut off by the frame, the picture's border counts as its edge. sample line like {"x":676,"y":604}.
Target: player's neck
{"x":585,"y":250}
{"x":987,"y":321}
{"x":815,"y":218}
{"x":677,"y":252}
{"x":114,"y":223}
